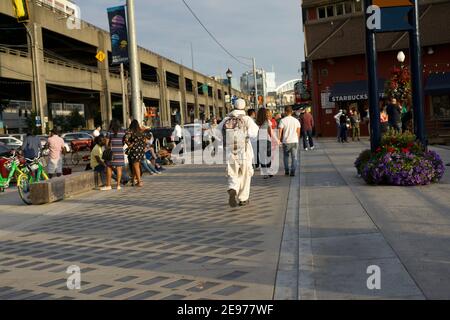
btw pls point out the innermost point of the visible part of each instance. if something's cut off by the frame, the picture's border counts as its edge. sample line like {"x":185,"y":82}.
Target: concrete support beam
{"x":183,"y":103}
{"x":163,"y":101}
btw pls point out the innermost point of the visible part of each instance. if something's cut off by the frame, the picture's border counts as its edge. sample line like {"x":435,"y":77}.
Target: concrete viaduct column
{"x":39,"y":86}
{"x":195,"y":89}
{"x":163,"y":103}
{"x":183,"y":105}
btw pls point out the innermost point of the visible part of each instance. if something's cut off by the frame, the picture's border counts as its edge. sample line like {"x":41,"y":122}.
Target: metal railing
{"x":71,"y":65}
{"x":14,"y":52}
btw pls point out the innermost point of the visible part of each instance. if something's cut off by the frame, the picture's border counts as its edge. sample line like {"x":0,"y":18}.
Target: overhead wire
{"x":212,"y":36}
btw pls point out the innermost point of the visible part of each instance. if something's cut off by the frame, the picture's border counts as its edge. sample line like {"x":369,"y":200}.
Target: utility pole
{"x":136,"y":105}
{"x":256,"y":84}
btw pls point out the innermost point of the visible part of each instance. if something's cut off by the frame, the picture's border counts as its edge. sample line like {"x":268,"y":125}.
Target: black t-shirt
{"x":343,"y":119}
{"x":394,"y":113}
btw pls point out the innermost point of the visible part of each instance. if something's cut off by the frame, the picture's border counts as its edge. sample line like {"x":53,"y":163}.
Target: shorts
{"x":54,"y":166}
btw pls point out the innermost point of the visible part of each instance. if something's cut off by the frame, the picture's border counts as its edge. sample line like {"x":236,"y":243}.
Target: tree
{"x":399,"y":86}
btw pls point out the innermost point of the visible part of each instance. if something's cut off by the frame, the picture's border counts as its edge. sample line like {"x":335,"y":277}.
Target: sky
{"x":269,"y":30}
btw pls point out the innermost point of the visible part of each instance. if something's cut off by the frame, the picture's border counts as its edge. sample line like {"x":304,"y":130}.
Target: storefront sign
{"x":355,"y":97}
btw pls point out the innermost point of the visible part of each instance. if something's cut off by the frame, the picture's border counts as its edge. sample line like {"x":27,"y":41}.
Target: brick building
{"x":335,"y":54}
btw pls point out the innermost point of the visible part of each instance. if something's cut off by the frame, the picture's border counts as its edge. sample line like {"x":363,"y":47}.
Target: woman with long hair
{"x":265,"y":136}
{"x":115,"y":142}
{"x":135,"y":140}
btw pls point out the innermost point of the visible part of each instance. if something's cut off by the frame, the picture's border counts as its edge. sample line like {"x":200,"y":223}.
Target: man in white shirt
{"x":290,"y":136}
{"x":177,"y":134}
{"x":239,"y":153}
{"x":337,"y":117}
{"x":96,"y":132}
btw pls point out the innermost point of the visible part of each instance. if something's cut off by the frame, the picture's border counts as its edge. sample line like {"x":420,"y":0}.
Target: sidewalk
{"x":346,"y":226}
{"x":176,"y":238}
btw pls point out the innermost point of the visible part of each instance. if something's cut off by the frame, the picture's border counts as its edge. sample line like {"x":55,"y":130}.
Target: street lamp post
{"x":229,"y":74}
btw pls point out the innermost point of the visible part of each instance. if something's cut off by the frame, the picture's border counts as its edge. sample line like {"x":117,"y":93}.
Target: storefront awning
{"x":353,"y":91}
{"x":438,"y":84}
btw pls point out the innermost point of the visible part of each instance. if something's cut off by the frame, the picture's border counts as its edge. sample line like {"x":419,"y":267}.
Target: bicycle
{"x":35,"y":173}
{"x":21,"y":174}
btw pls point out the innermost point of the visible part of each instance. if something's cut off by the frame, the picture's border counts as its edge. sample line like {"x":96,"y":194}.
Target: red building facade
{"x":335,"y":53}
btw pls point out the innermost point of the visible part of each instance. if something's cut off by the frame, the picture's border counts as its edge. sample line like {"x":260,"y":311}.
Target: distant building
{"x":265,"y":83}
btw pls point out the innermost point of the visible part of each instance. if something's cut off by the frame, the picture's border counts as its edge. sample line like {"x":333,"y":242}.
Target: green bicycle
{"x":24,"y":174}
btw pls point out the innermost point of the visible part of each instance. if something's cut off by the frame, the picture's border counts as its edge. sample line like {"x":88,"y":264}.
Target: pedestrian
{"x":384,"y":121}
{"x":146,"y":163}
{"x":264,"y":142}
{"x":355,"y":121}
{"x":252,"y":114}
{"x":135,"y":140}
{"x":97,"y":131}
{"x":290,"y":136}
{"x":307,"y":125}
{"x":177,"y":134}
{"x":406,"y":116}
{"x":394,"y":114}
{"x":237,"y":130}
{"x":337,"y":117}
{"x":117,"y":161}
{"x":31,"y":145}
{"x":343,"y":121}
{"x":97,"y":163}
{"x":56,"y":149}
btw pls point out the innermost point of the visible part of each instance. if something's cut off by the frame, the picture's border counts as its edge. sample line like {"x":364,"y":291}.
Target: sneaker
{"x":286,"y":173}
{"x":292,"y":174}
{"x":313,"y":147}
{"x":243,"y":203}
{"x":232,"y":200}
{"x":105,"y":188}
{"x":266,"y":177}
{"x":119,"y":188}
{"x":306,"y":149}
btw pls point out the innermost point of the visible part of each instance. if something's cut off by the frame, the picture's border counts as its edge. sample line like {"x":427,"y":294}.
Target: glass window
{"x":358,"y":5}
{"x":330,"y":11}
{"x":441,"y":106}
{"x":340,"y":9}
{"x":322,"y":13}
{"x":348,"y":7}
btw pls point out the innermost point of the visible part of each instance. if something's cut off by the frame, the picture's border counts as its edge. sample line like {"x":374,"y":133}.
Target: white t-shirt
{"x":290,"y":125}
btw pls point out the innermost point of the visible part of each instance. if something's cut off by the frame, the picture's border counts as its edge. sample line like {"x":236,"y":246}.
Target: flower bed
{"x":400,"y":161}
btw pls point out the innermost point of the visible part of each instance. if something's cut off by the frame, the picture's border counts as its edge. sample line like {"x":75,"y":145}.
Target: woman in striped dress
{"x":115,"y":142}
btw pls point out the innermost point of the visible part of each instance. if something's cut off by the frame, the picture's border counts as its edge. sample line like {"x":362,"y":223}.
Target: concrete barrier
{"x":61,"y":188}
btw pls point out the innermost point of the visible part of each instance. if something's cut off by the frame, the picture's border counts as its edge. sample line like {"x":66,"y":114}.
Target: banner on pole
{"x":119,"y":34}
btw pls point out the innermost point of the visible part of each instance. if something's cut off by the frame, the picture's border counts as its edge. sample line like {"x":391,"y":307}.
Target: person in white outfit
{"x":237,"y":130}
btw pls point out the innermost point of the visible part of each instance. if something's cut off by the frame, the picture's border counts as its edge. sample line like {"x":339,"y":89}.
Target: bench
{"x":62,"y":187}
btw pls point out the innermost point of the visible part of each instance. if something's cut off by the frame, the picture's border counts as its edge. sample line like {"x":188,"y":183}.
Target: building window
{"x":330,"y":11}
{"x":322,"y":13}
{"x":340,"y":9}
{"x":348,"y":7}
{"x":441,"y":106}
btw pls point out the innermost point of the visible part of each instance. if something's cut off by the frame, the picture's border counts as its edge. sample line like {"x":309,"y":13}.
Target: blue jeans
{"x":102,"y":170}
{"x":290,"y":150}
{"x":148,"y":167}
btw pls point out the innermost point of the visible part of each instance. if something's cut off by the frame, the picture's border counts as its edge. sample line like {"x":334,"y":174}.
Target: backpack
{"x":235,"y":130}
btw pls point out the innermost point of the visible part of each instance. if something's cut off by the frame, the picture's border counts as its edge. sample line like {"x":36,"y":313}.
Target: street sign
{"x":100,"y":56}
{"x":390,"y":15}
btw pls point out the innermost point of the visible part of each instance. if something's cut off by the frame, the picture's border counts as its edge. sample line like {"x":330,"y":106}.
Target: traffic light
{"x":21,"y":10}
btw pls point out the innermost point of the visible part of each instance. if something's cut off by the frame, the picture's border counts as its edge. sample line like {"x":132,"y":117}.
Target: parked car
{"x":78,"y":140}
{"x":4,"y":151}
{"x":11,"y":142}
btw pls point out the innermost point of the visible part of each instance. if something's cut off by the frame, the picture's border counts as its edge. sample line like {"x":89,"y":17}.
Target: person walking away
{"x":97,"y":163}
{"x":337,"y":117}
{"x":252,"y":114}
{"x":307,"y":125}
{"x":343,"y":119}
{"x":290,"y":136}
{"x":96,"y":132}
{"x":237,"y":130}
{"x":177,"y":134}
{"x":31,"y":146}
{"x":117,"y":163}
{"x":56,"y":149}
{"x":394,"y":114}
{"x":406,"y":116}
{"x":355,"y":120}
{"x":135,"y":141}
{"x":265,"y":137}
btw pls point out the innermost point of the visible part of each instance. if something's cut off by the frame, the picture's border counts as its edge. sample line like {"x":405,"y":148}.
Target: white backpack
{"x":235,"y":134}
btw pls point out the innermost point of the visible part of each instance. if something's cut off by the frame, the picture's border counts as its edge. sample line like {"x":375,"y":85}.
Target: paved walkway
{"x":346,"y":226}
{"x":176,"y":238}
